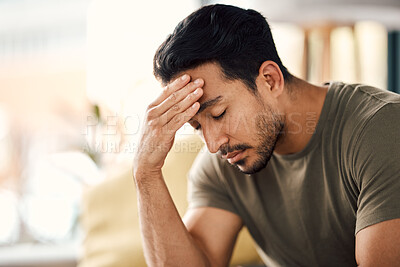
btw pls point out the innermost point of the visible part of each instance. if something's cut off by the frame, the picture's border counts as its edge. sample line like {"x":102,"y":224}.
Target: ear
{"x":271,"y":77}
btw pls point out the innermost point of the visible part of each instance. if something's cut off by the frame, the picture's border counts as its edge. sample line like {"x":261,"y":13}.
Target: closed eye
{"x":219,"y":116}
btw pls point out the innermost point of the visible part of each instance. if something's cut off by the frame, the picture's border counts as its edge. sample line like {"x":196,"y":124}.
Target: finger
{"x":176,"y":97}
{"x":182,"y":105}
{"x":170,"y":88}
{"x":180,"y":119}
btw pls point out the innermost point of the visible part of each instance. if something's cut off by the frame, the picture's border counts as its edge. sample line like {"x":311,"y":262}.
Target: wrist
{"x":143,"y":172}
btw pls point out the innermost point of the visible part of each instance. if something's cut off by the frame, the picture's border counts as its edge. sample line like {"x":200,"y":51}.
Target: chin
{"x":250,"y":168}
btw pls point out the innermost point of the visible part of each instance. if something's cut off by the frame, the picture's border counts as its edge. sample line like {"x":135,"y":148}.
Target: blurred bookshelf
{"x":394,"y":61}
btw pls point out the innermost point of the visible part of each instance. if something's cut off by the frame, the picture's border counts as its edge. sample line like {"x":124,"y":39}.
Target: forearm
{"x":165,"y":238}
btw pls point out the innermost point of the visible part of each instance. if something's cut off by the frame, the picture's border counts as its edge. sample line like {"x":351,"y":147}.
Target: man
{"x":312,"y":171}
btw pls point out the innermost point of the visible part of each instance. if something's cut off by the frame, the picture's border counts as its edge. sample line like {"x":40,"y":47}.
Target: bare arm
{"x":379,"y":244}
{"x":166,"y":240}
{"x":215,"y":231}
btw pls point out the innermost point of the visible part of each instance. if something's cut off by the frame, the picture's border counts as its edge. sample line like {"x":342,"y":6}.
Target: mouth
{"x":234,"y":157}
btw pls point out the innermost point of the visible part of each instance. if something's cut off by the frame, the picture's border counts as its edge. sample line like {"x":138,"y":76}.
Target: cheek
{"x":244,"y":121}
{"x":240,"y":125}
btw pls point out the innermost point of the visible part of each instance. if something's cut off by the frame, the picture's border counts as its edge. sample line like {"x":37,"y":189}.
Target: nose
{"x":214,"y":138}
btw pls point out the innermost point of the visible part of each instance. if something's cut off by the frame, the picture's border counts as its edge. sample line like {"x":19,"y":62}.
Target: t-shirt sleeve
{"x":377,"y":168}
{"x":206,"y":186}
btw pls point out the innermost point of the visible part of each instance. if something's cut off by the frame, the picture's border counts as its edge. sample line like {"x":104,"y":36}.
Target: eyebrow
{"x":209,"y":103}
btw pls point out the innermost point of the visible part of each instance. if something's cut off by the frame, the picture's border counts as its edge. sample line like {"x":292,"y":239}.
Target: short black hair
{"x":237,"y":39}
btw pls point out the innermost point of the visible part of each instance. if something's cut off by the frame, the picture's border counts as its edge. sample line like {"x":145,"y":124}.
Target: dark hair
{"x":238,"y":40}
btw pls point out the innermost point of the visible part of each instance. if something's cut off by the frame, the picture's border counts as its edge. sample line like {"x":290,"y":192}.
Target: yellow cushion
{"x":110,"y":216}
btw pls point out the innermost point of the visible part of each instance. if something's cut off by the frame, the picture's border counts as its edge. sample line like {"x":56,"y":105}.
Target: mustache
{"x":225,"y":149}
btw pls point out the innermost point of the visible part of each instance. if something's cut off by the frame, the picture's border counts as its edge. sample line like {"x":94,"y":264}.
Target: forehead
{"x":209,"y":71}
{"x":215,"y":84}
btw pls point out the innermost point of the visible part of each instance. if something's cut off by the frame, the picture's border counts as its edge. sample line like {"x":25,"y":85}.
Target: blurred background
{"x":76,"y":76}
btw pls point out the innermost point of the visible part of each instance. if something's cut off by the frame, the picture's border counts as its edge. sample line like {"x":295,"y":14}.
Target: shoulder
{"x":360,"y":97}
{"x":382,"y":126}
{"x":376,"y":147}
{"x":378,"y":95}
{"x":376,"y":112}
{"x":356,"y":106}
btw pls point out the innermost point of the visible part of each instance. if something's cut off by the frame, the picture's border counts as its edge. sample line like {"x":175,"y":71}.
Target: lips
{"x":233,"y":156}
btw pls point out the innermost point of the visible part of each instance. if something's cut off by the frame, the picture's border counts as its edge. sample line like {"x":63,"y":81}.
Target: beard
{"x":269,"y":127}
{"x":269,"y":131}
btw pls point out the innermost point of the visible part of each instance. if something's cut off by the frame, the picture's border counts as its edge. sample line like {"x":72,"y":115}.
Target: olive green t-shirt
{"x":304,"y":209}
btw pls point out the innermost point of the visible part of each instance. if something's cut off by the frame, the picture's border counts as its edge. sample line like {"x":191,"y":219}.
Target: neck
{"x":302,"y":104}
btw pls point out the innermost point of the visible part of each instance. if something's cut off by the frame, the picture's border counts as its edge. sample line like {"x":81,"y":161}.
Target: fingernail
{"x":196,"y":92}
{"x":184,"y":77}
{"x":194,"y":105}
{"x":197,"y":81}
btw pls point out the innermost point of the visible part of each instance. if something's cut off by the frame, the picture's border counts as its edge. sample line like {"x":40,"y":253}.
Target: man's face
{"x":234,"y":122}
